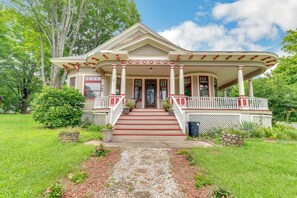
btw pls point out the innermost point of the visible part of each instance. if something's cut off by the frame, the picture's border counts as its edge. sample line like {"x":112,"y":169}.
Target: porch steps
{"x":147,"y":125}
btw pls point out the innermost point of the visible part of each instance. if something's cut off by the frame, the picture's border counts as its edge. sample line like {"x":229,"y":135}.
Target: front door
{"x":150,"y":93}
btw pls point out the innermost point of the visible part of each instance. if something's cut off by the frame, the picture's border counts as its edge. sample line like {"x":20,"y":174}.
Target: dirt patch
{"x":99,"y":170}
{"x":184,"y":173}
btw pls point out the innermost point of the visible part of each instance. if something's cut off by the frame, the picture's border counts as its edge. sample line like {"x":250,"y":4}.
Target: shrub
{"x":219,"y":192}
{"x":101,"y":151}
{"x":235,"y":131}
{"x":258,"y":133}
{"x":94,"y":127}
{"x":78,"y":177}
{"x":58,"y":107}
{"x":202,"y":180}
{"x":55,"y":191}
{"x":248,"y":127}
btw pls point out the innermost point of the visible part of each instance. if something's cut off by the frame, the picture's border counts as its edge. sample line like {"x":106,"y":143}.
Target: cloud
{"x":192,"y":36}
{"x":244,"y":24}
{"x":258,"y":19}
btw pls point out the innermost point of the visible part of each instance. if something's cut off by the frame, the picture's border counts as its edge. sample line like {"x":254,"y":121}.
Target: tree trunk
{"x":42,"y":58}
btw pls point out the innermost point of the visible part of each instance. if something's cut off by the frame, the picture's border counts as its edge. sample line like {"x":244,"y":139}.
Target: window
{"x":188,"y":86}
{"x":137,"y":89}
{"x":92,"y":87}
{"x":203,"y":86}
{"x":118,"y":87}
{"x":216,"y":87}
{"x":72,"y":82}
{"x":163,"y":89}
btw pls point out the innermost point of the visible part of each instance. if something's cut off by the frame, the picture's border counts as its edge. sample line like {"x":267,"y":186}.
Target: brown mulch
{"x":184,"y":173}
{"x":99,"y":170}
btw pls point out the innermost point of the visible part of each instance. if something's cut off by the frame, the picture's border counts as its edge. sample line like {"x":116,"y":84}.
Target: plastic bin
{"x":193,"y":129}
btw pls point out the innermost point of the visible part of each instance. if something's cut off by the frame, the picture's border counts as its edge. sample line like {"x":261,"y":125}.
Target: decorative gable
{"x":147,"y":50}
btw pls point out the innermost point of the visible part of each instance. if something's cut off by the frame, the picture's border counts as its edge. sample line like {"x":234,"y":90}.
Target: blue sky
{"x":255,"y":25}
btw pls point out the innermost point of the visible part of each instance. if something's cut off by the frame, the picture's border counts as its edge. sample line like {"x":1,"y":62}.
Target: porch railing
{"x":225,"y":103}
{"x":116,"y":111}
{"x":258,"y":103}
{"x":212,"y":103}
{"x":101,"y":102}
{"x":179,"y":114}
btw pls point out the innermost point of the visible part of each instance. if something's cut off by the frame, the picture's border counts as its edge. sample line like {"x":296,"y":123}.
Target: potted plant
{"x":171,"y":111}
{"x":130,"y":104}
{"x":107,"y":133}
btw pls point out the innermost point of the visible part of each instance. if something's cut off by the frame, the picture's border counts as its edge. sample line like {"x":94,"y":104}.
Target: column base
{"x":243,"y":102}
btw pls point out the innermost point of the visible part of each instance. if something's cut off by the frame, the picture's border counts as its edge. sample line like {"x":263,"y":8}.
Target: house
{"x":140,"y":64}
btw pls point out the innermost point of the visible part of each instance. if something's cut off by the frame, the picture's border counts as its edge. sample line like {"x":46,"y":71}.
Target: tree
{"x":18,"y":61}
{"x":66,"y":24}
{"x":58,"y":107}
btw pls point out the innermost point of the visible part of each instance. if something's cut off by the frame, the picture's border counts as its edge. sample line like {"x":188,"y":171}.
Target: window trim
{"x":70,"y":79}
{"x":140,"y":89}
{"x":190,"y":85}
{"x":207,"y":86}
{"x":92,"y":81}
{"x":162,"y":86}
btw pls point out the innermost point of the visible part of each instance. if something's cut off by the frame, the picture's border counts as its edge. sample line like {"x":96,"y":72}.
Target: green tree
{"x":58,"y":107}
{"x":70,"y":26}
{"x":19,"y":64}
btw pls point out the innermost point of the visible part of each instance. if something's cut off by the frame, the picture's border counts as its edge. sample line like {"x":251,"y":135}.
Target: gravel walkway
{"x":142,"y":172}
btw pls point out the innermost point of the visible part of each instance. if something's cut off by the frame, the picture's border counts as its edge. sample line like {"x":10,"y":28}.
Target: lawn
{"x":31,"y":158}
{"x":257,"y":169}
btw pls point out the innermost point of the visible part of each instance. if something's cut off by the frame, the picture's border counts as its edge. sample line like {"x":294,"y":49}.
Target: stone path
{"x":142,"y":173}
{"x":154,"y":144}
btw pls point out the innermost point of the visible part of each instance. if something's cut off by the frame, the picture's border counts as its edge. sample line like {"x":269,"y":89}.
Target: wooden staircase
{"x":148,"y":125}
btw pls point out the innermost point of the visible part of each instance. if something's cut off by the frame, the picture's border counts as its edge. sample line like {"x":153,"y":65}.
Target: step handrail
{"x":116,"y":111}
{"x":179,"y":114}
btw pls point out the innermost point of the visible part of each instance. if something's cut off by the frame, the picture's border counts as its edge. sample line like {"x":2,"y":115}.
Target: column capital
{"x":181,"y":66}
{"x":250,"y":79}
{"x":239,"y":67}
{"x":114,"y":66}
{"x":172,"y":66}
{"x":123,"y":66}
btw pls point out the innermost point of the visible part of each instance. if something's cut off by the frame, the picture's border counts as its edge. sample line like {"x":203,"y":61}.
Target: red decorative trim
{"x":151,"y":62}
{"x":137,"y":62}
{"x":270,"y":65}
{"x":96,"y":59}
{"x":144,"y":62}
{"x":268,"y":57}
{"x":172,"y":62}
{"x":66,"y":69}
{"x":130,"y":62}
{"x":123,"y":62}
{"x":228,"y":57}
{"x":105,"y":56}
{"x":254,"y":57}
{"x":191,"y":57}
{"x":158,"y":62}
{"x":165,"y":62}
{"x":92,"y":63}
{"x":117,"y":57}
{"x":241,"y":57}
{"x":178,"y":57}
{"x":203,"y":57}
{"x":217,"y":56}
{"x":75,"y":66}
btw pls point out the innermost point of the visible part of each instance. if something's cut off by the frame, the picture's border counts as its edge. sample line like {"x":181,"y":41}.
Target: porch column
{"x":103,"y":86}
{"x":113,"y":80}
{"x":181,"y":81}
{"x":123,"y":80}
{"x":240,"y":81}
{"x":251,"y":90}
{"x":172,"y":83}
{"x":225,"y":93}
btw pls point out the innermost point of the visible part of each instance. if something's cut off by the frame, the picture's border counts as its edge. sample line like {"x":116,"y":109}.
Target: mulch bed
{"x":184,"y":173}
{"x":99,"y":170}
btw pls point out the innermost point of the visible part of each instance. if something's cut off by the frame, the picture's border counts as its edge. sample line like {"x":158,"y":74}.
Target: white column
{"x":251,"y":90}
{"x":123,"y":80}
{"x":172,"y":80}
{"x":103,"y":86}
{"x":240,"y":81}
{"x":225,"y":93}
{"x":181,"y":81}
{"x":113,"y":80}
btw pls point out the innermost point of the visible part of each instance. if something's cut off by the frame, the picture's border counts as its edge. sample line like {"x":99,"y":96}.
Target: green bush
{"x":202,"y":180}
{"x":248,"y":127}
{"x":101,"y":151}
{"x":94,"y":127}
{"x":55,"y":191}
{"x":58,"y":107}
{"x":78,"y":177}
{"x":258,"y":133}
{"x":219,"y":192}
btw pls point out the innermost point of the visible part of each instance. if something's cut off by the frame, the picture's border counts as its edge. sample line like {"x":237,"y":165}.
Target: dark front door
{"x":150,"y":93}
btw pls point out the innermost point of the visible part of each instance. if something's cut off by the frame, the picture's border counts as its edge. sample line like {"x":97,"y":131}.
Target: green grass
{"x":31,"y":158}
{"x":257,"y":169}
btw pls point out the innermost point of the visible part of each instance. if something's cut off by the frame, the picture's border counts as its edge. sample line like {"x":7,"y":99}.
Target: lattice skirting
{"x":208,"y":121}
{"x":99,"y":119}
{"x":264,"y":120}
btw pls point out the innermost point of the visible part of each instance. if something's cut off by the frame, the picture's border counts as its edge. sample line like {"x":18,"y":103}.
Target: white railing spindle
{"x":179,"y":114}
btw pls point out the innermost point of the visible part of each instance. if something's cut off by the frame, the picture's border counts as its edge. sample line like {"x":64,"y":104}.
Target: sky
{"x":253,"y":25}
